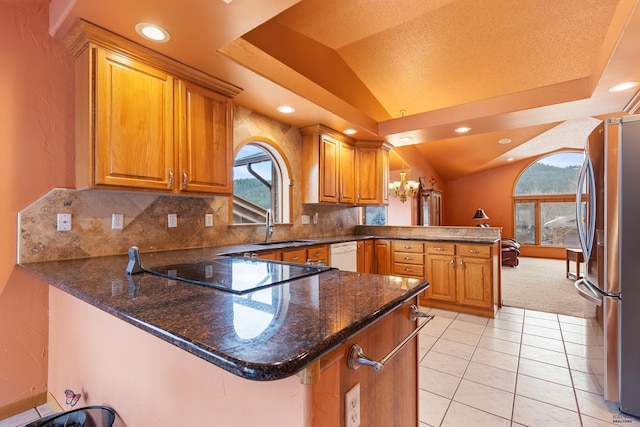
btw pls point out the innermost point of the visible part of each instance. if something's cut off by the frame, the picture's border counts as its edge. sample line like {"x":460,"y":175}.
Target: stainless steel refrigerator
{"x":608,"y":218}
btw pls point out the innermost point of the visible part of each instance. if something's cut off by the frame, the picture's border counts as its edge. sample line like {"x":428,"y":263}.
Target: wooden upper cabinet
{"x":372,"y":178}
{"x":134,"y":123}
{"x":347,"y":187}
{"x":337,"y":169}
{"x":145,"y":121}
{"x":328,"y":162}
{"x":206,"y":151}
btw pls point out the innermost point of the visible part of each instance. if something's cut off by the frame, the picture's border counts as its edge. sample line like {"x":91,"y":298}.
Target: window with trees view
{"x":259,"y":174}
{"x":545,"y":201}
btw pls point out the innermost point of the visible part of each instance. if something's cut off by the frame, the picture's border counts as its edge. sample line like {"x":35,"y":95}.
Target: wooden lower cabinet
{"x":366,"y":256}
{"x":301,"y":255}
{"x":388,"y":397}
{"x":383,"y":258}
{"x":463,"y":277}
{"x":408,"y":259}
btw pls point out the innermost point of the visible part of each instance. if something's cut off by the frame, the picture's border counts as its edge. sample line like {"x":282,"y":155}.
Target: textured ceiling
{"x":507,"y":69}
{"x":422,"y":55}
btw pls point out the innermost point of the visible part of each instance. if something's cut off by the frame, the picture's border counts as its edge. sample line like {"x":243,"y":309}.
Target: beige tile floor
{"x":523,"y":368}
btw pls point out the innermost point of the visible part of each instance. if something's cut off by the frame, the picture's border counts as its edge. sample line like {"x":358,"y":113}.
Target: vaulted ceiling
{"x":531,"y":71}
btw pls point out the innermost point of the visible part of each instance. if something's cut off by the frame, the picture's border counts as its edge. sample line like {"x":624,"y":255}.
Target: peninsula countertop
{"x":268,"y":334}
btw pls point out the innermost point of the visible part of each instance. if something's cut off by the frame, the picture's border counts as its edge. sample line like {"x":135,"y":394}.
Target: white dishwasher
{"x":344,"y":256}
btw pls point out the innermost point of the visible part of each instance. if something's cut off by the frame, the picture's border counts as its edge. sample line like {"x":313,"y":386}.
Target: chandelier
{"x":403,"y":188}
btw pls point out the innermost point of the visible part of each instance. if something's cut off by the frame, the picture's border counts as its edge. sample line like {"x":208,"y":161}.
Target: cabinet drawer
{"x":299,"y":256}
{"x":408,"y":258}
{"x":478,"y":251}
{"x":441,"y":248}
{"x":317,"y":253}
{"x":407,"y":246}
{"x":408,"y":270}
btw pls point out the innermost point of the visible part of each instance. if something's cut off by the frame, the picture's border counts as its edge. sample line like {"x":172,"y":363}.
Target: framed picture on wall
{"x":423,"y":183}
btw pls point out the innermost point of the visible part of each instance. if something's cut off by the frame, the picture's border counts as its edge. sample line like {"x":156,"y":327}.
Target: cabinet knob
{"x":408,"y":258}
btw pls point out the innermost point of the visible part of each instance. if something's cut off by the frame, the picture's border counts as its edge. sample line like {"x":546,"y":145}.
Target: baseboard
{"x":23,"y":405}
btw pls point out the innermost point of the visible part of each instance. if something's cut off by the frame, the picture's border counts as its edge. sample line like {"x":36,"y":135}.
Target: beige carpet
{"x":540,"y":284}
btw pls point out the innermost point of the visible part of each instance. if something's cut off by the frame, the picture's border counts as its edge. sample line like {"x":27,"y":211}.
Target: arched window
{"x":261,"y":180}
{"x":545,"y":201}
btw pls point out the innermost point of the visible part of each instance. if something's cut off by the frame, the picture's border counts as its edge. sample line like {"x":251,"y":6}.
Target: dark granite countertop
{"x":265,"y":335}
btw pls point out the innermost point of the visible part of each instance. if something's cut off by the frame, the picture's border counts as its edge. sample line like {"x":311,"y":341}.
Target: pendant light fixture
{"x":403,"y":189}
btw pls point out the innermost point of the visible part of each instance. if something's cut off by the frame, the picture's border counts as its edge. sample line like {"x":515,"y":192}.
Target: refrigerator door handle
{"x":589,"y":293}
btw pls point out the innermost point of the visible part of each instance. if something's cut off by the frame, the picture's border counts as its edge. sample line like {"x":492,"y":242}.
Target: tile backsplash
{"x":146,"y":225}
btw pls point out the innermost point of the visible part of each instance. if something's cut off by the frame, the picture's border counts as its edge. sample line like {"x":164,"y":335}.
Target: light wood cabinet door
{"x":294,"y":255}
{"x":329,"y":170}
{"x":347,"y":191}
{"x":372,"y":175}
{"x":441,"y":273}
{"x":383,"y":257}
{"x":366,"y":256}
{"x":206,"y":151}
{"x":318,"y":253}
{"x":474,"y":282}
{"x":134,"y":144}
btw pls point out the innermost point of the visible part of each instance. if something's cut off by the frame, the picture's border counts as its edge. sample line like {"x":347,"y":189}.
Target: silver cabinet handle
{"x":439,"y":249}
{"x":461,"y":265}
{"x":408,"y":269}
{"x":453,"y":263}
{"x":184,"y":180}
{"x":408,"y":258}
{"x":170,"y":178}
{"x":295,"y":258}
{"x":408,"y":247}
{"x":474,"y":251}
{"x":358,"y":358}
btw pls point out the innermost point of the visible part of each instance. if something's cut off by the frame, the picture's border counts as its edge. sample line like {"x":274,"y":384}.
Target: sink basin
{"x":286,"y":242}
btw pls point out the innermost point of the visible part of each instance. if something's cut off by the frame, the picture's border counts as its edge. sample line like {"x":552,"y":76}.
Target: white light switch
{"x":306,"y":219}
{"x":172,"y":220}
{"x":64,"y":222}
{"x":208,"y":220}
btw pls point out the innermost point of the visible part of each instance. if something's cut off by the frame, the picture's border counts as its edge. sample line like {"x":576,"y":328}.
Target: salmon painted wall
{"x":36,"y":136}
{"x":490,"y":190}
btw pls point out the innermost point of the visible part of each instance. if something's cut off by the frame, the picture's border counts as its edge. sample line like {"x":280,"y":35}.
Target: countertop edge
{"x":247,"y":370}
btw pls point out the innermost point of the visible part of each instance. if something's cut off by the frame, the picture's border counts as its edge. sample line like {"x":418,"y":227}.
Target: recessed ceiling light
{"x":152,"y":32}
{"x":622,"y":86}
{"x":510,"y":159}
{"x":463,"y":129}
{"x":504,"y":141}
{"x":406,"y":139}
{"x":286,"y":109}
{"x":350,"y":131}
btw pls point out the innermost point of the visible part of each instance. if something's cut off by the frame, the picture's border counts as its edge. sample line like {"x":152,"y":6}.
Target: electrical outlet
{"x":306,"y":219}
{"x":315,"y":218}
{"x":352,"y":407}
{"x":64,"y":222}
{"x":172,"y":220}
{"x":208,"y":220}
{"x":117,"y":221}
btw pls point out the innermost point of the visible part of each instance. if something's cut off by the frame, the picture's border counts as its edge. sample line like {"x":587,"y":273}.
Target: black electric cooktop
{"x":237,"y":275}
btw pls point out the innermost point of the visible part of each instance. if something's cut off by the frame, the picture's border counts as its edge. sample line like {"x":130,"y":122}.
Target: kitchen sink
{"x":285,"y":242}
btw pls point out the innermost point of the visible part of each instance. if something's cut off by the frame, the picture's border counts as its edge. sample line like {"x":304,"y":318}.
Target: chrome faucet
{"x":268,"y":226}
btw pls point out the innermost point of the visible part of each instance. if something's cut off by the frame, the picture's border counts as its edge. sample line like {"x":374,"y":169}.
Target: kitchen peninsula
{"x":277,"y":356}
